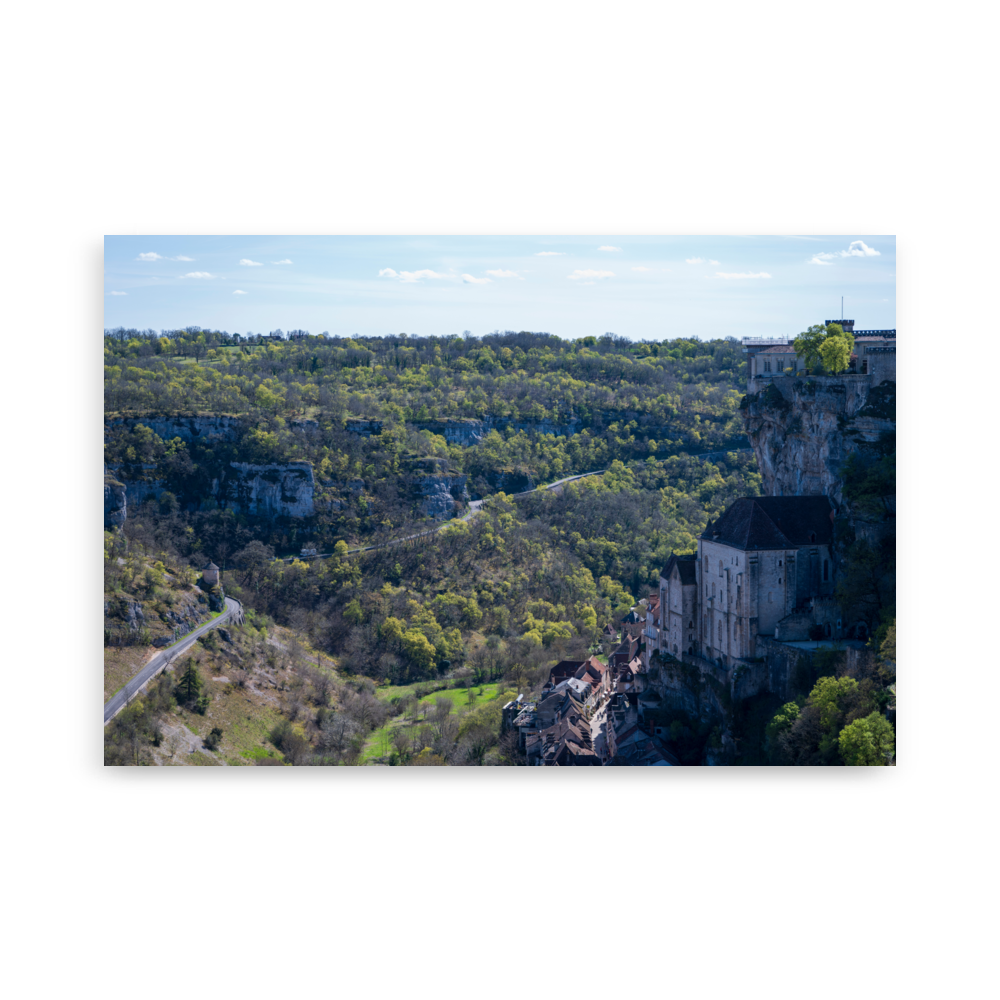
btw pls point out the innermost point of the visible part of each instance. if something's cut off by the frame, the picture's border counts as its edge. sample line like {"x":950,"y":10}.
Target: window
{"x":826,"y":570}
{"x":720,"y":567}
{"x":767,"y":366}
{"x":779,"y":580}
{"x":706,"y":565}
{"x":812,"y":537}
{"x":779,"y":564}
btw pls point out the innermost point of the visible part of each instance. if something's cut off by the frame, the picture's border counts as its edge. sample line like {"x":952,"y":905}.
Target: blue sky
{"x":642,"y":287}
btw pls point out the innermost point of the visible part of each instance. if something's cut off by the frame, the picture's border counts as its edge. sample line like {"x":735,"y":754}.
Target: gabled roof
{"x":685,"y":566}
{"x":774,"y":523}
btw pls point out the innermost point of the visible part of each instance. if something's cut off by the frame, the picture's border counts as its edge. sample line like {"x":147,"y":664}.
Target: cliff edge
{"x":804,"y":429}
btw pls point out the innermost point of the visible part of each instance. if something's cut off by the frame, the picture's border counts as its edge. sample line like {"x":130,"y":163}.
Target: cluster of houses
{"x":581,"y":696}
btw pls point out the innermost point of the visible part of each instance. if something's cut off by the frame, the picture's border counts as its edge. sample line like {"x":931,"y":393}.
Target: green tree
{"x":829,"y":697}
{"x":836,"y":354}
{"x":190,"y":683}
{"x":867,"y":742}
{"x":807,"y":344}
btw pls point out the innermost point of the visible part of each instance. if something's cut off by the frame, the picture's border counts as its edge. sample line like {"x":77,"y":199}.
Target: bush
{"x":213,"y":739}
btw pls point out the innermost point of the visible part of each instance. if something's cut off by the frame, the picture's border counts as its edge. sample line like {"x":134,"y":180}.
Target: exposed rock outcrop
{"x":115,"y":504}
{"x":278,"y":489}
{"x":189,"y":428}
{"x":440,"y":495}
{"x":803,"y":429}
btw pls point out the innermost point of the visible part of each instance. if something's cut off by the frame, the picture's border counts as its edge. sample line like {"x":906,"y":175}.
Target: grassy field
{"x":122,"y":663}
{"x":379,"y":742}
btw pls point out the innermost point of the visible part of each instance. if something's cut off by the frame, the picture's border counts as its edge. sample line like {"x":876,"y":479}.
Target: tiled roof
{"x":774,"y":523}
{"x":778,"y":350}
{"x":685,"y":566}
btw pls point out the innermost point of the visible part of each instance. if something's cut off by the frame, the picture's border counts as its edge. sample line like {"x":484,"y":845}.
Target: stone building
{"x":770,"y":357}
{"x":211,"y":574}
{"x":766,"y":561}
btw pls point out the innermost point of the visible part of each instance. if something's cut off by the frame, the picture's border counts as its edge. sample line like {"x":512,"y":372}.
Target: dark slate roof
{"x":774,"y":523}
{"x":685,"y":566}
{"x":210,"y":565}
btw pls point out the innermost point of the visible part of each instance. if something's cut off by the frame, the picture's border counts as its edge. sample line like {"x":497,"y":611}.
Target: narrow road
{"x":474,"y":507}
{"x":158,"y":662}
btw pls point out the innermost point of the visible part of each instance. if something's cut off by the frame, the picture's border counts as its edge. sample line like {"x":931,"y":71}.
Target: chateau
{"x":772,"y":357}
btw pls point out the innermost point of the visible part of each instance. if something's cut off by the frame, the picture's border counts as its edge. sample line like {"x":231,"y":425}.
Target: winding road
{"x":135,"y":685}
{"x":474,"y":507}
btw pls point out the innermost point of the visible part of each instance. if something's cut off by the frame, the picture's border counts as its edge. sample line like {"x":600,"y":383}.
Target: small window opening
{"x":826,"y":570}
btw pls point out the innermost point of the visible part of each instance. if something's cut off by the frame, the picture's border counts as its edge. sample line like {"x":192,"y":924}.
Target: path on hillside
{"x":474,"y":507}
{"x":234,"y":609}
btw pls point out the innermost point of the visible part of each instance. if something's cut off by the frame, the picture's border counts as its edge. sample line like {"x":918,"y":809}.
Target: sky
{"x":641,"y":287}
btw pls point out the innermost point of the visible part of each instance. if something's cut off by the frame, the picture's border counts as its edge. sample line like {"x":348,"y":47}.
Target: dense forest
{"x":491,"y":600}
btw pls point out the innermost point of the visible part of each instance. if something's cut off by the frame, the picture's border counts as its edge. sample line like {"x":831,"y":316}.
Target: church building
{"x":765,"y":561}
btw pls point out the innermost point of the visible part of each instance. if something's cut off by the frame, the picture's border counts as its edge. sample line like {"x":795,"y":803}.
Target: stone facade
{"x":766,"y":560}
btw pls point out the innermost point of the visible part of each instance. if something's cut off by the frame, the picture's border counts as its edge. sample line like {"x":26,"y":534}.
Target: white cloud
{"x":411,"y":277}
{"x":579,"y":275}
{"x":550,"y":253}
{"x":504,"y":274}
{"x":156,"y":256}
{"x":119,"y":293}
{"x":642,"y":269}
{"x":857,"y":249}
{"x":694,"y":260}
{"x":613,"y":249}
{"x":286,"y":261}
{"x":760,"y":274}
{"x":198,"y":274}
{"x":239,"y":291}
{"x":470,"y":280}
{"x":714,"y":262}
{"x":251,"y":263}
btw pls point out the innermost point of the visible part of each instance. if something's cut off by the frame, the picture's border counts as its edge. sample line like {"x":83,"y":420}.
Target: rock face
{"x":803,"y":429}
{"x":114,"y":503}
{"x":280,"y":489}
{"x":186,"y":428}
{"x":439,"y":495}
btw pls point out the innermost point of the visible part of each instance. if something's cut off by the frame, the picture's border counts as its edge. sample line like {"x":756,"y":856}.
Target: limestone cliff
{"x":274,"y":490}
{"x":114,"y":503}
{"x":803,"y":429}
{"x":187,"y":428}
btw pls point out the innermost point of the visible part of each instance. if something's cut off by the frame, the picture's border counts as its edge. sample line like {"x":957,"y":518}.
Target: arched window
{"x":827,"y":630}
{"x":706,"y":565}
{"x":720,"y":567}
{"x":713,"y":590}
{"x":826,"y":570}
{"x":812,"y":537}
{"x":779,"y":564}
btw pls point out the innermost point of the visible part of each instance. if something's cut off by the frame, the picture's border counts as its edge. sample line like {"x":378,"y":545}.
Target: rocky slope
{"x":802,"y":430}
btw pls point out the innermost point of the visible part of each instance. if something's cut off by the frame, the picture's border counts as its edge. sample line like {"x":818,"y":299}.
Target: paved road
{"x":474,"y":507}
{"x":158,"y":662}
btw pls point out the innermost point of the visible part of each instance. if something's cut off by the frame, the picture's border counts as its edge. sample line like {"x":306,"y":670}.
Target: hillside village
{"x":744,"y":623}
{"x":756,"y":598}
